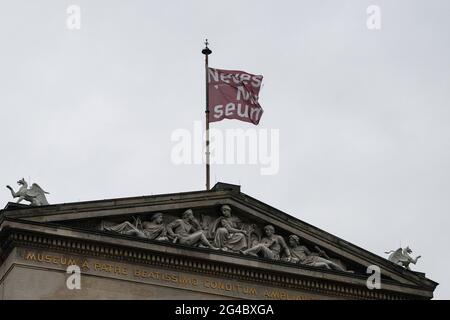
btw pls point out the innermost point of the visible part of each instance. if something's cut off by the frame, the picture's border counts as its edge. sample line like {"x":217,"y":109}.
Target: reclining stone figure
{"x":188,"y":230}
{"x":272,"y":246}
{"x":153,"y":229}
{"x":302,"y":255}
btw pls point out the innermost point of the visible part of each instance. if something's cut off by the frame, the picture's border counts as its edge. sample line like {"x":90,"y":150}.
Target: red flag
{"x":234,"y":95}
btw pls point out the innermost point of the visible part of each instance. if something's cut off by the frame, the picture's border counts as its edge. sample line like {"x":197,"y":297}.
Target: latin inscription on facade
{"x":145,"y":274}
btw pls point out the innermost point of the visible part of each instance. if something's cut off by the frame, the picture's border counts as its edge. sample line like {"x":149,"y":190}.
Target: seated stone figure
{"x":187,"y":230}
{"x":226,"y":234}
{"x":272,"y":246}
{"x":301,"y":254}
{"x":153,"y":229}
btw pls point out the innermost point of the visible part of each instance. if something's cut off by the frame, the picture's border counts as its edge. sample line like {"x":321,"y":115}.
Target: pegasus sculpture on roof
{"x":402,"y":257}
{"x":35,"y":195}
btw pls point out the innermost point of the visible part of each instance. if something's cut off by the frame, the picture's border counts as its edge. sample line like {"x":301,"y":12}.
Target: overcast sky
{"x":363,"y":115}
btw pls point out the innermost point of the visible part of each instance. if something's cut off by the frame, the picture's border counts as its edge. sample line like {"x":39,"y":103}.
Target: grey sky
{"x":363,"y":115}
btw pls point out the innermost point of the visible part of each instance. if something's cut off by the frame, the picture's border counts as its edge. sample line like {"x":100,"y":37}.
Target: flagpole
{"x":206,"y":51}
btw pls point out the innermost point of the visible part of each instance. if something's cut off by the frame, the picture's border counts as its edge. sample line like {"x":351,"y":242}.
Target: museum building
{"x":217,"y":244}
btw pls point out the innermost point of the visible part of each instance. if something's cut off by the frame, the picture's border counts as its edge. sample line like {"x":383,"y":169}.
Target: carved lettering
{"x":163,"y":277}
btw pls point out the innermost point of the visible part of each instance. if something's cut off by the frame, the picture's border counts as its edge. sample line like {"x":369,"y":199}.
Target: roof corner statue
{"x":402,"y":257}
{"x":35,"y":195}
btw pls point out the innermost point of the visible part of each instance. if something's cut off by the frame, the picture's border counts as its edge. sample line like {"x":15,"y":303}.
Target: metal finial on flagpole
{"x":206,"y":51}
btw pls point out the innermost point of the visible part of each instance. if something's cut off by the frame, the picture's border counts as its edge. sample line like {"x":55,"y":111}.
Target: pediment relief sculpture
{"x":188,"y":231}
{"x":227,"y":233}
{"x":231,"y":234}
{"x":271,"y":246}
{"x":301,"y":254}
{"x":153,"y":229}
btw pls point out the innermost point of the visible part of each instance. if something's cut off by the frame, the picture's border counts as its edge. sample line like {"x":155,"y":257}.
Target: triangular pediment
{"x":240,"y":233}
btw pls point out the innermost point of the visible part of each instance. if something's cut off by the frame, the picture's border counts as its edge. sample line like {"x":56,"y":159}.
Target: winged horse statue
{"x":402,"y":257}
{"x":35,"y":195}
